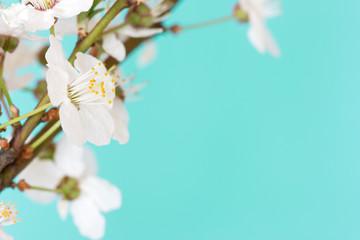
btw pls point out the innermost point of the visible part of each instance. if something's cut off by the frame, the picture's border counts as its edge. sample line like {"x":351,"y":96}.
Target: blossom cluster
{"x":84,"y":94}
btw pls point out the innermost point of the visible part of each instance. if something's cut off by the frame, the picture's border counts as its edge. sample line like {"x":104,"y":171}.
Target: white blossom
{"x":22,"y":57}
{"x":258,"y":34}
{"x":45,"y":11}
{"x":96,"y":195}
{"x":16,"y":22}
{"x":113,"y":43}
{"x":84,"y":97}
{"x":8,"y":216}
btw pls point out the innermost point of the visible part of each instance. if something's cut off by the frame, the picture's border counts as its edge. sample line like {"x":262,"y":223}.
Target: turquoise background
{"x":231,"y":144}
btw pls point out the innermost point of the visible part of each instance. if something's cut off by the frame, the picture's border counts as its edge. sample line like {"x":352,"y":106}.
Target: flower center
{"x":8,"y":214}
{"x":43,"y":4}
{"x":93,"y":87}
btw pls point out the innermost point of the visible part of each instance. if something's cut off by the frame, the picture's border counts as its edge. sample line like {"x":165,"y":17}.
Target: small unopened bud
{"x":22,"y":185}
{"x":27,"y":152}
{"x":82,"y":34}
{"x":176,"y":29}
{"x":14,"y":111}
{"x":140,"y":16}
{"x":94,"y":52}
{"x":4,"y":144}
{"x":51,"y":115}
{"x":240,"y":14}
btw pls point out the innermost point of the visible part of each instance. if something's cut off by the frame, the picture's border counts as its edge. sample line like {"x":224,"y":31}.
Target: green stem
{"x":46,"y":135}
{"x":18,"y":119}
{"x":2,"y":85}
{"x":44,"y":189}
{"x":98,"y":29}
{"x":3,"y":102}
{"x":207,"y":23}
{"x":30,"y":123}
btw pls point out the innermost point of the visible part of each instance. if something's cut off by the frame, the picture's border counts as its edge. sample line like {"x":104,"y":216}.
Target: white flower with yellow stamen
{"x":258,"y":34}
{"x":45,"y":11}
{"x":8,"y":216}
{"x":84,"y":97}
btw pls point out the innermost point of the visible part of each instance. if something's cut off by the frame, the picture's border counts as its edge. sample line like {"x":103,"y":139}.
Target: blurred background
{"x":231,"y":144}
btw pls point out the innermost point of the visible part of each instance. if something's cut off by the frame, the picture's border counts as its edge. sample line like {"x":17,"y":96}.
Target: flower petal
{"x":55,"y":56}
{"x":63,"y":208}
{"x":68,"y":157}
{"x":57,"y":85}
{"x":89,"y":160}
{"x":260,"y":37}
{"x":71,"y":124}
{"x":42,"y":173}
{"x":98,"y":124}
{"x":130,"y":31}
{"x":105,"y":195}
{"x":4,"y":235}
{"x":87,"y":218}
{"x":66,"y":27}
{"x":121,"y":119}
{"x":85,"y":62}
{"x":114,"y":47}
{"x":38,"y":20}
{"x":70,"y":8}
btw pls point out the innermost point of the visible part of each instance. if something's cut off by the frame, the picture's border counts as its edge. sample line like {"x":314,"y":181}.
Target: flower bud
{"x":8,"y":44}
{"x":14,"y":111}
{"x":4,"y":144}
{"x":176,"y":29}
{"x":22,"y":185}
{"x":140,"y":16}
{"x":240,"y":14}
{"x":51,"y":115}
{"x":27,"y":152}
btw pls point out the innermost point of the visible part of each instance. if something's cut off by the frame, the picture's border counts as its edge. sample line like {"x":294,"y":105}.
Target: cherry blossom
{"x":84,"y":97}
{"x":258,"y":11}
{"x":90,"y":195}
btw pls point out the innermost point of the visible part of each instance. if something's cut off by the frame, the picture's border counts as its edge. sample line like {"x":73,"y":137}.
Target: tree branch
{"x":11,"y":161}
